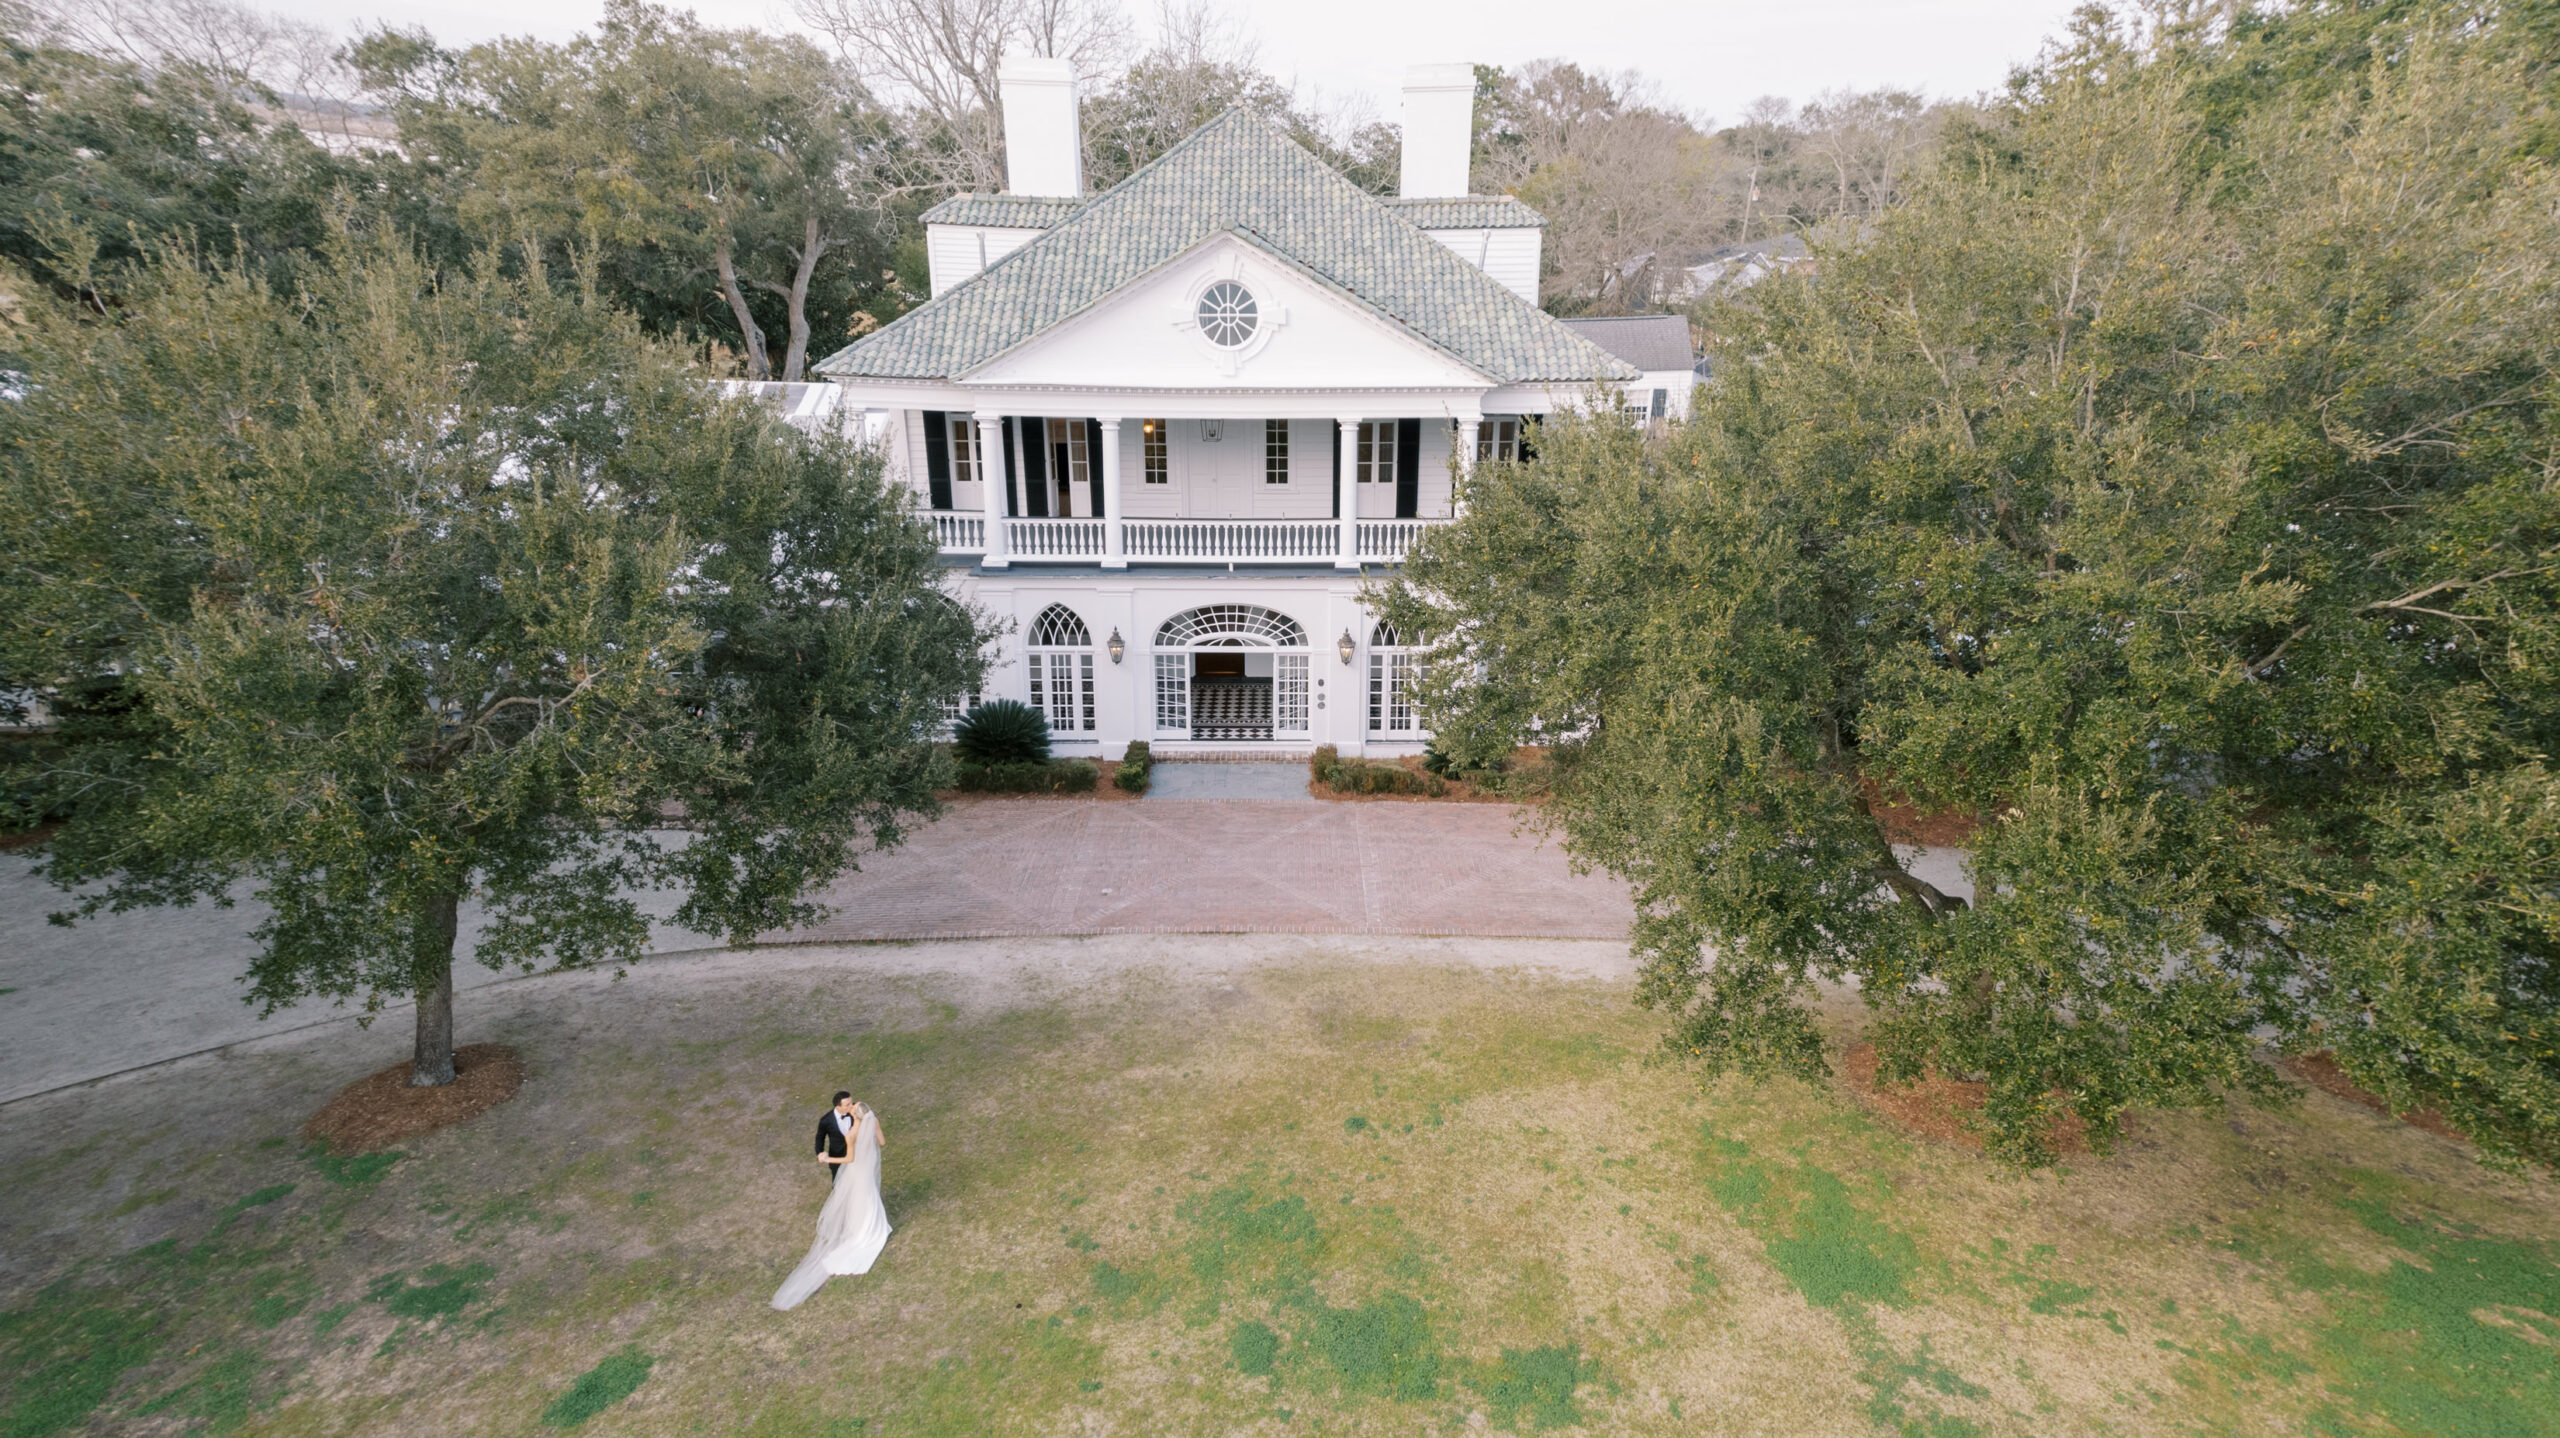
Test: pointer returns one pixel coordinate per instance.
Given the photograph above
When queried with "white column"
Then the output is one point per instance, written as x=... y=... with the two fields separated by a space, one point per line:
x=995 y=481
x=1468 y=431
x=1348 y=555
x=1115 y=554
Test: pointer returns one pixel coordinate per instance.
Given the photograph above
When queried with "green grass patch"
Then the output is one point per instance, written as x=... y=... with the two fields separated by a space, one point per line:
x=353 y=1169
x=220 y=1395
x=2458 y=1333
x=438 y=1292
x=66 y=1352
x=617 y=1377
x=1832 y=1250
x=1532 y=1388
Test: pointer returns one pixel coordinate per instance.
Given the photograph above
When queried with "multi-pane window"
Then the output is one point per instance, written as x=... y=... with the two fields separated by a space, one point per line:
x=957 y=707
x=964 y=447
x=1173 y=693
x=1062 y=689
x=1152 y=447
x=1376 y=458
x=1275 y=451
x=1289 y=693
x=1061 y=663
x=1390 y=683
x=1498 y=438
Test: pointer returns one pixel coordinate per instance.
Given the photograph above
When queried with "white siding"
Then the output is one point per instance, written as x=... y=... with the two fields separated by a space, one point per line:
x=954 y=253
x=1509 y=255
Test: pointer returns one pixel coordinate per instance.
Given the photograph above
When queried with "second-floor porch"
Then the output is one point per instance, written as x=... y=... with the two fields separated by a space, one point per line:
x=1344 y=491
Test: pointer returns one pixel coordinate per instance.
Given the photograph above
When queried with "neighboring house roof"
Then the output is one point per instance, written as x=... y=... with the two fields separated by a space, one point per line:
x=799 y=404
x=1469 y=212
x=1011 y=212
x=1789 y=246
x=1649 y=342
x=1235 y=174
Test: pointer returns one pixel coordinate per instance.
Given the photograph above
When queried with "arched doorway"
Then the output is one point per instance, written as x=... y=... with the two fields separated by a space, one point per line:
x=1231 y=673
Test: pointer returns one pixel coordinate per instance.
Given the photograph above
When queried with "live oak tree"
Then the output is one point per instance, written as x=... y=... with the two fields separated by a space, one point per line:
x=727 y=181
x=2169 y=482
x=403 y=588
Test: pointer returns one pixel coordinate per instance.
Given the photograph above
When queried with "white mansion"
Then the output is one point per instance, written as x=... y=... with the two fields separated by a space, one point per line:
x=1167 y=429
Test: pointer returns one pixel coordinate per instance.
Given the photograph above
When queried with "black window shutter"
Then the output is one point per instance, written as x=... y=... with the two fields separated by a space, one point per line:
x=937 y=457
x=1035 y=466
x=1093 y=462
x=1337 y=469
x=1408 y=468
x=1530 y=424
x=1012 y=491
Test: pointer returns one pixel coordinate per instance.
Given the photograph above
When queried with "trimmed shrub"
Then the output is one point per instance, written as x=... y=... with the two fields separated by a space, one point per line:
x=1136 y=768
x=1046 y=776
x=1001 y=731
x=1361 y=776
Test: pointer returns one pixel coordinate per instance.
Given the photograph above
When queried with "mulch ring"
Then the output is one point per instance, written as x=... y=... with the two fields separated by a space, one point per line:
x=380 y=1109
x=1941 y=1109
x=2321 y=1071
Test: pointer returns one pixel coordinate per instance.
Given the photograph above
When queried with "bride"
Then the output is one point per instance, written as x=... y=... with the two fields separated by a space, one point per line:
x=853 y=1226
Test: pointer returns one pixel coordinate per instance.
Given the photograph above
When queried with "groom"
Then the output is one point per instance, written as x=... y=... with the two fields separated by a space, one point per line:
x=835 y=1133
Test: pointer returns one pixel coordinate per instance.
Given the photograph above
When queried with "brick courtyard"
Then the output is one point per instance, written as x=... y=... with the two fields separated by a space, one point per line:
x=1004 y=867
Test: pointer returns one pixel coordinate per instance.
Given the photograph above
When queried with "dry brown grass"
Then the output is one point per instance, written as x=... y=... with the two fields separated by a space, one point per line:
x=1059 y=1156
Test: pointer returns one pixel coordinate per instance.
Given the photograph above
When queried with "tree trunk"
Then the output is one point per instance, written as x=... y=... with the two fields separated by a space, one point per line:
x=812 y=249
x=758 y=367
x=431 y=1065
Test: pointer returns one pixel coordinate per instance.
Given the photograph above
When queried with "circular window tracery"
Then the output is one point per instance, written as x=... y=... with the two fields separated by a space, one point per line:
x=1228 y=315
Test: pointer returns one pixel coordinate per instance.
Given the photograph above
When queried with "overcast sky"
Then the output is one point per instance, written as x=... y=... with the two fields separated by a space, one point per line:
x=1709 y=56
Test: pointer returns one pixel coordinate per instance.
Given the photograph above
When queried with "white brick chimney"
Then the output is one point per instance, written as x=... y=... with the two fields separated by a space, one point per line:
x=1439 y=130
x=1043 y=150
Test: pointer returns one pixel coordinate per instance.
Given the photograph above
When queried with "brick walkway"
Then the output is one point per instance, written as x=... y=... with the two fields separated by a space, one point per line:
x=1004 y=867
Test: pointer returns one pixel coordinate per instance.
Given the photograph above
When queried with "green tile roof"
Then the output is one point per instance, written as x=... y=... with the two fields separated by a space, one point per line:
x=1015 y=212
x=1236 y=173
x=1469 y=212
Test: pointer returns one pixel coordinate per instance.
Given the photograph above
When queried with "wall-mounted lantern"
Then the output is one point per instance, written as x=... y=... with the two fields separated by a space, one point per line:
x=1344 y=646
x=1116 y=644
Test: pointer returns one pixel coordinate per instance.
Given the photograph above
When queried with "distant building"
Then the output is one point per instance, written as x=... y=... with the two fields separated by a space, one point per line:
x=1740 y=266
x=1658 y=347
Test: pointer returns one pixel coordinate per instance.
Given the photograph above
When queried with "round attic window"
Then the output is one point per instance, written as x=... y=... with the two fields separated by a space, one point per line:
x=1227 y=315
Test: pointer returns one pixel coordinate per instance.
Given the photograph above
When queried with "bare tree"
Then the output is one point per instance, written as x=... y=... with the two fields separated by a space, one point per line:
x=941 y=57
x=1628 y=184
x=1870 y=139
x=288 y=68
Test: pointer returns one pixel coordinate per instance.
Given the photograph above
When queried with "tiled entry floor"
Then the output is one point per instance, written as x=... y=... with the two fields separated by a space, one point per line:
x=1229 y=781
x=998 y=867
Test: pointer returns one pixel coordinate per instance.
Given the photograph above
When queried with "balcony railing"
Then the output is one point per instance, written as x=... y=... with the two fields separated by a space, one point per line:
x=1055 y=538
x=1159 y=541
x=1257 y=540
x=1388 y=539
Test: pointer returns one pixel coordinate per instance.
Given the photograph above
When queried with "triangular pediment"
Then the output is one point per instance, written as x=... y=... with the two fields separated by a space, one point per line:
x=1269 y=325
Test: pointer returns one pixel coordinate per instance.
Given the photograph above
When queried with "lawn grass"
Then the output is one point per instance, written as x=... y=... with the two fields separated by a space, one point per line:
x=1319 y=1199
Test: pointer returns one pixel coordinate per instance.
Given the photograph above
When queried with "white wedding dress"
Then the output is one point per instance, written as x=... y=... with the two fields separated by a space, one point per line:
x=851 y=1228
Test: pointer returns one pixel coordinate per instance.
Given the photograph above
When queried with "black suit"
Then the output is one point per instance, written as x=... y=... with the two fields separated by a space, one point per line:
x=831 y=1141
